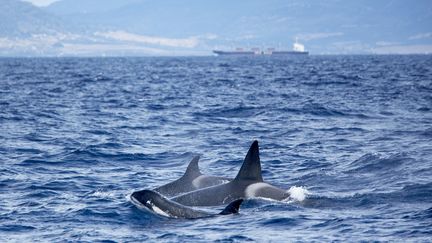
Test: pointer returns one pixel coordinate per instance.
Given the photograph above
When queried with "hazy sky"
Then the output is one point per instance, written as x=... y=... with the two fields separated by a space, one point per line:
x=41 y=2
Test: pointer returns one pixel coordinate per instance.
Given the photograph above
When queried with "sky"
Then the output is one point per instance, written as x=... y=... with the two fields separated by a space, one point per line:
x=41 y=3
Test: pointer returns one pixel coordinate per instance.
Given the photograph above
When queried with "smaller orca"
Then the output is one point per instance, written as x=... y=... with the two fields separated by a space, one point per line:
x=192 y=180
x=161 y=205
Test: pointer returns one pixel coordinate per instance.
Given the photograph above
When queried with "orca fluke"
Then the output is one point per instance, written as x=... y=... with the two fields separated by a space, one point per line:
x=163 y=206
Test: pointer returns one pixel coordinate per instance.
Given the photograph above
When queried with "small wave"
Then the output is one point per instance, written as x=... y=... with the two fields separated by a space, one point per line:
x=236 y=112
x=282 y=222
x=235 y=238
x=408 y=194
x=43 y=194
x=374 y=162
x=320 y=110
x=104 y=214
x=339 y=129
x=329 y=223
x=155 y=107
x=98 y=132
x=423 y=214
x=416 y=192
x=427 y=133
x=323 y=111
x=28 y=150
x=425 y=109
x=38 y=161
x=108 y=241
x=97 y=153
x=16 y=228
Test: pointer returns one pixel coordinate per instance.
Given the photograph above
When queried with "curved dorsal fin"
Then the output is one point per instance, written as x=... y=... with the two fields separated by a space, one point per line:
x=232 y=208
x=251 y=168
x=193 y=168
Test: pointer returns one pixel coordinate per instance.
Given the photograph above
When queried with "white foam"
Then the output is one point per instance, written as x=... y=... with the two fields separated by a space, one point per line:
x=103 y=194
x=298 y=193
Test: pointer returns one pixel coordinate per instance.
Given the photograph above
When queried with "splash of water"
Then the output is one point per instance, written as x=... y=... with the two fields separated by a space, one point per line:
x=298 y=193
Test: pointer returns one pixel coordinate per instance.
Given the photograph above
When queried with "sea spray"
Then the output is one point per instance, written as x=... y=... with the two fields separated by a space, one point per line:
x=298 y=193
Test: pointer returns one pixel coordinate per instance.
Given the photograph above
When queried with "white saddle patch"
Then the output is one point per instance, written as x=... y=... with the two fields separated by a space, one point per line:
x=197 y=181
x=251 y=190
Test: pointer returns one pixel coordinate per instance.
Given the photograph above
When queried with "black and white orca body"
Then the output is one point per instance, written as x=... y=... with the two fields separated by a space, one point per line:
x=158 y=204
x=247 y=184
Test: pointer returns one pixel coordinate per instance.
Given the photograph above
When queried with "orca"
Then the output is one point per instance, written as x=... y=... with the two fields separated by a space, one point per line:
x=158 y=204
x=192 y=180
x=247 y=184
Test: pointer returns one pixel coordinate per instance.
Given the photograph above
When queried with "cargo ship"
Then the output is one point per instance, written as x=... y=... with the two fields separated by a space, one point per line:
x=298 y=49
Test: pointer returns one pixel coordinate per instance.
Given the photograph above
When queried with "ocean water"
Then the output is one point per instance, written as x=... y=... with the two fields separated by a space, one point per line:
x=350 y=134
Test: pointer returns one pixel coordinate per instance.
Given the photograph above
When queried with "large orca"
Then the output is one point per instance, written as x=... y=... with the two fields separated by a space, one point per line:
x=247 y=184
x=192 y=180
x=161 y=205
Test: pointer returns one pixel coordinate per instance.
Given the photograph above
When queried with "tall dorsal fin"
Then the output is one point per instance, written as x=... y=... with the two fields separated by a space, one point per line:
x=193 y=168
x=251 y=168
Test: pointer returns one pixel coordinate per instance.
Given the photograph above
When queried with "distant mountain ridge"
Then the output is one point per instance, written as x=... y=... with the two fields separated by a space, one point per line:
x=22 y=19
x=165 y=27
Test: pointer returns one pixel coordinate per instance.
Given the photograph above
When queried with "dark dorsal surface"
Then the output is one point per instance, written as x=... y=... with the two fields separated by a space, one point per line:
x=251 y=168
x=193 y=170
x=232 y=208
x=184 y=183
x=192 y=180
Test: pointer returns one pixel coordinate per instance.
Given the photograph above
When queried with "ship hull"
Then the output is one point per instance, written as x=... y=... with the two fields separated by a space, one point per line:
x=234 y=53
x=282 y=53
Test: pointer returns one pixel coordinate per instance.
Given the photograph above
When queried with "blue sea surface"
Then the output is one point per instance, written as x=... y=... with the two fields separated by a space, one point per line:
x=79 y=135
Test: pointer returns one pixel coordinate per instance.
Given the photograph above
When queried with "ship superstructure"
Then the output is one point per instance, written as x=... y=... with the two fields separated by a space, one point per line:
x=298 y=49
